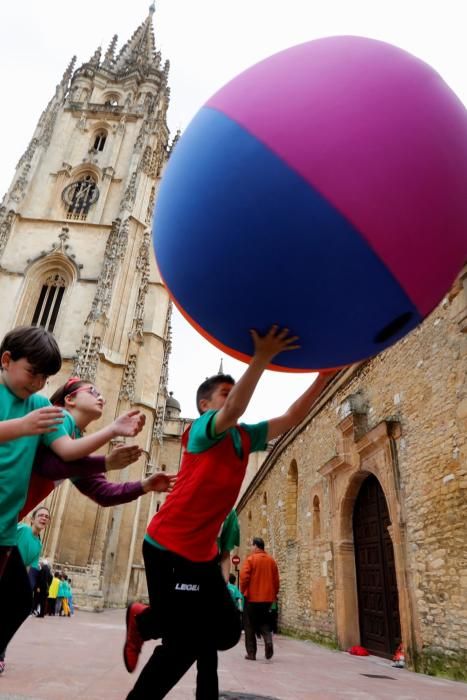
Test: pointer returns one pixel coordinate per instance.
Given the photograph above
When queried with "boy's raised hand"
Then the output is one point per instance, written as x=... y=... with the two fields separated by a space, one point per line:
x=42 y=420
x=275 y=341
x=129 y=424
x=121 y=456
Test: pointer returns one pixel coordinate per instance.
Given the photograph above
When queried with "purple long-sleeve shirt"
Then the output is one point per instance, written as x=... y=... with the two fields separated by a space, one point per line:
x=87 y=475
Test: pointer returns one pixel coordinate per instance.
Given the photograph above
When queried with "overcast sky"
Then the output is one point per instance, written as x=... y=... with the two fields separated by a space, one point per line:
x=207 y=42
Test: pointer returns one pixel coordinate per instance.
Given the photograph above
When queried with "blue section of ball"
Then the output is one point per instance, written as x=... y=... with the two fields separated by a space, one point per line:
x=244 y=247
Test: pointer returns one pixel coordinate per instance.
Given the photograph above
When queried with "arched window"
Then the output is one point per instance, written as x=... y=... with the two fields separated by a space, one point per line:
x=79 y=196
x=99 y=140
x=111 y=100
x=48 y=305
x=291 y=501
x=316 y=518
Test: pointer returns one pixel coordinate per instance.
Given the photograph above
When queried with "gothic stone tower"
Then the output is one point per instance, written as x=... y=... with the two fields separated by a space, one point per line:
x=75 y=257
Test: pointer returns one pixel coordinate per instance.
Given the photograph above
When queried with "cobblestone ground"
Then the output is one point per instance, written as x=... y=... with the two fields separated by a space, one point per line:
x=80 y=658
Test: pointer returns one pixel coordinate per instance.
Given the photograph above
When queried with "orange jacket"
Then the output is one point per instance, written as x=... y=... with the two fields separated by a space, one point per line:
x=259 y=578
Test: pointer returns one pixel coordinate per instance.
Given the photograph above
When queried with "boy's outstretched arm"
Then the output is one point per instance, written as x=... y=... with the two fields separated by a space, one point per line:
x=266 y=347
x=42 y=420
x=299 y=409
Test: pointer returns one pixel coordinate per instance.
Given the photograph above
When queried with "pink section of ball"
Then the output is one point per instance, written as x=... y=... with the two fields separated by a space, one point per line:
x=381 y=136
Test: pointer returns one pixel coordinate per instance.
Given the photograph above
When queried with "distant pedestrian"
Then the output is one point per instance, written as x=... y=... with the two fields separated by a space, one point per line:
x=61 y=595
x=259 y=583
x=70 y=597
x=43 y=582
x=53 y=590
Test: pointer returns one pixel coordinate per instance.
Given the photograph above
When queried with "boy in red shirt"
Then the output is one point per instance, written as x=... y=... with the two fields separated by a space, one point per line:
x=191 y=607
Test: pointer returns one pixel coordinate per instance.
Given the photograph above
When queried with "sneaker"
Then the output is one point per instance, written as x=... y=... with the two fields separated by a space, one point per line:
x=2 y=667
x=269 y=650
x=250 y=657
x=133 y=641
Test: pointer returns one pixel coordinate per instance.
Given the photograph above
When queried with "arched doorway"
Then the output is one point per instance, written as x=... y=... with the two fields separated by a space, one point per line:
x=378 y=599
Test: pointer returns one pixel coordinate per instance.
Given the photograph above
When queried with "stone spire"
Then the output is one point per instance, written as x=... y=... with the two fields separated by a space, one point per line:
x=110 y=53
x=68 y=72
x=139 y=53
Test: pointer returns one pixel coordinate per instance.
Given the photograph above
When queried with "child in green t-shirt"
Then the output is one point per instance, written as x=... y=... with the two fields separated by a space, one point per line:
x=28 y=356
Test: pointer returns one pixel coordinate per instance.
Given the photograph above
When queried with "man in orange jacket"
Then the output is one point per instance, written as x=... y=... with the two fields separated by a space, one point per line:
x=259 y=583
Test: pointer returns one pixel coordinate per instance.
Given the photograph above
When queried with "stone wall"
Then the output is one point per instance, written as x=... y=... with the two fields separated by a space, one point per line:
x=403 y=417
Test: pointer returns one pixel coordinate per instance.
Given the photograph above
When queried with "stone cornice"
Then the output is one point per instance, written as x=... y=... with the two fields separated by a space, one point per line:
x=335 y=383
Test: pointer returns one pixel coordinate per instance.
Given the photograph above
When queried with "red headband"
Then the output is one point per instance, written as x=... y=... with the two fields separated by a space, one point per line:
x=71 y=381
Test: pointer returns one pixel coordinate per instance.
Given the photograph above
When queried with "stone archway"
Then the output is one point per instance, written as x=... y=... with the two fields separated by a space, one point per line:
x=361 y=454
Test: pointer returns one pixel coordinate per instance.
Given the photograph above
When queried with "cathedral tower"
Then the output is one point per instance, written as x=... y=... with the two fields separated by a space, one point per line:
x=76 y=258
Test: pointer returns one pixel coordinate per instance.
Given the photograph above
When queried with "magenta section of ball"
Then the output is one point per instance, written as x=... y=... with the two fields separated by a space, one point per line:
x=381 y=136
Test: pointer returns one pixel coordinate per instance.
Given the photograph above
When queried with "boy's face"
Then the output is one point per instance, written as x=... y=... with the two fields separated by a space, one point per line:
x=218 y=398
x=21 y=377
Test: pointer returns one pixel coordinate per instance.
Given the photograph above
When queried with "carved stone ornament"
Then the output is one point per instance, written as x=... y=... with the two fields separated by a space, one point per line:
x=6 y=222
x=114 y=253
x=158 y=429
x=127 y=390
x=87 y=358
x=130 y=193
x=142 y=265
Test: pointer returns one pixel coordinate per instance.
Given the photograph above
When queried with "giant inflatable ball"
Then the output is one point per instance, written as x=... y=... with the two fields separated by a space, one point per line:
x=325 y=190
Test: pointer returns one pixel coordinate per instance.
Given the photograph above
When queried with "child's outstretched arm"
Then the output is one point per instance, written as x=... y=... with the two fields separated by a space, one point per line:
x=266 y=347
x=42 y=420
x=300 y=408
x=107 y=493
x=51 y=466
x=127 y=425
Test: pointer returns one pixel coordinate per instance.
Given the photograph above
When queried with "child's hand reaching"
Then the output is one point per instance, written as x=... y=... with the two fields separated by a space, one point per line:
x=275 y=341
x=159 y=482
x=122 y=456
x=129 y=424
x=42 y=420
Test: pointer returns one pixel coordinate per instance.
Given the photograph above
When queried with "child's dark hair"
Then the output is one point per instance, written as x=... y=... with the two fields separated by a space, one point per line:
x=232 y=579
x=206 y=389
x=36 y=345
x=70 y=386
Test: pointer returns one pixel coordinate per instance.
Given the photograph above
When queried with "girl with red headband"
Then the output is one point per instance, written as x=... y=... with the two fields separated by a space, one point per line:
x=83 y=403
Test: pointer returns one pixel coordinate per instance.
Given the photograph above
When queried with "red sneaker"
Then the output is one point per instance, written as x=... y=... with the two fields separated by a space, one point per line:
x=133 y=641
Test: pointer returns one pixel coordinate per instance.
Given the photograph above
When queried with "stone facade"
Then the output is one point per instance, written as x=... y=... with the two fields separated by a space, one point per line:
x=76 y=257
x=401 y=417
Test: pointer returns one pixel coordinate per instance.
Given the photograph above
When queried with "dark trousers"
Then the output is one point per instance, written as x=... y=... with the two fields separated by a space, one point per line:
x=15 y=594
x=256 y=619
x=192 y=610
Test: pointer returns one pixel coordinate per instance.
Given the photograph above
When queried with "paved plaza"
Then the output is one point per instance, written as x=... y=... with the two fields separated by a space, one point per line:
x=80 y=658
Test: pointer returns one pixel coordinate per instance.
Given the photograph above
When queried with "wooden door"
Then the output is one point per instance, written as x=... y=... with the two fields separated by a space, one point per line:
x=378 y=599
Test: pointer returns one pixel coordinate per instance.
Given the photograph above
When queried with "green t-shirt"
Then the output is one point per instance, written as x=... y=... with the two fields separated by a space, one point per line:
x=69 y=425
x=202 y=435
x=29 y=546
x=230 y=533
x=16 y=459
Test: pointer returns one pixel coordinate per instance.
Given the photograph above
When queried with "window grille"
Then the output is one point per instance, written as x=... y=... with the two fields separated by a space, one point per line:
x=48 y=305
